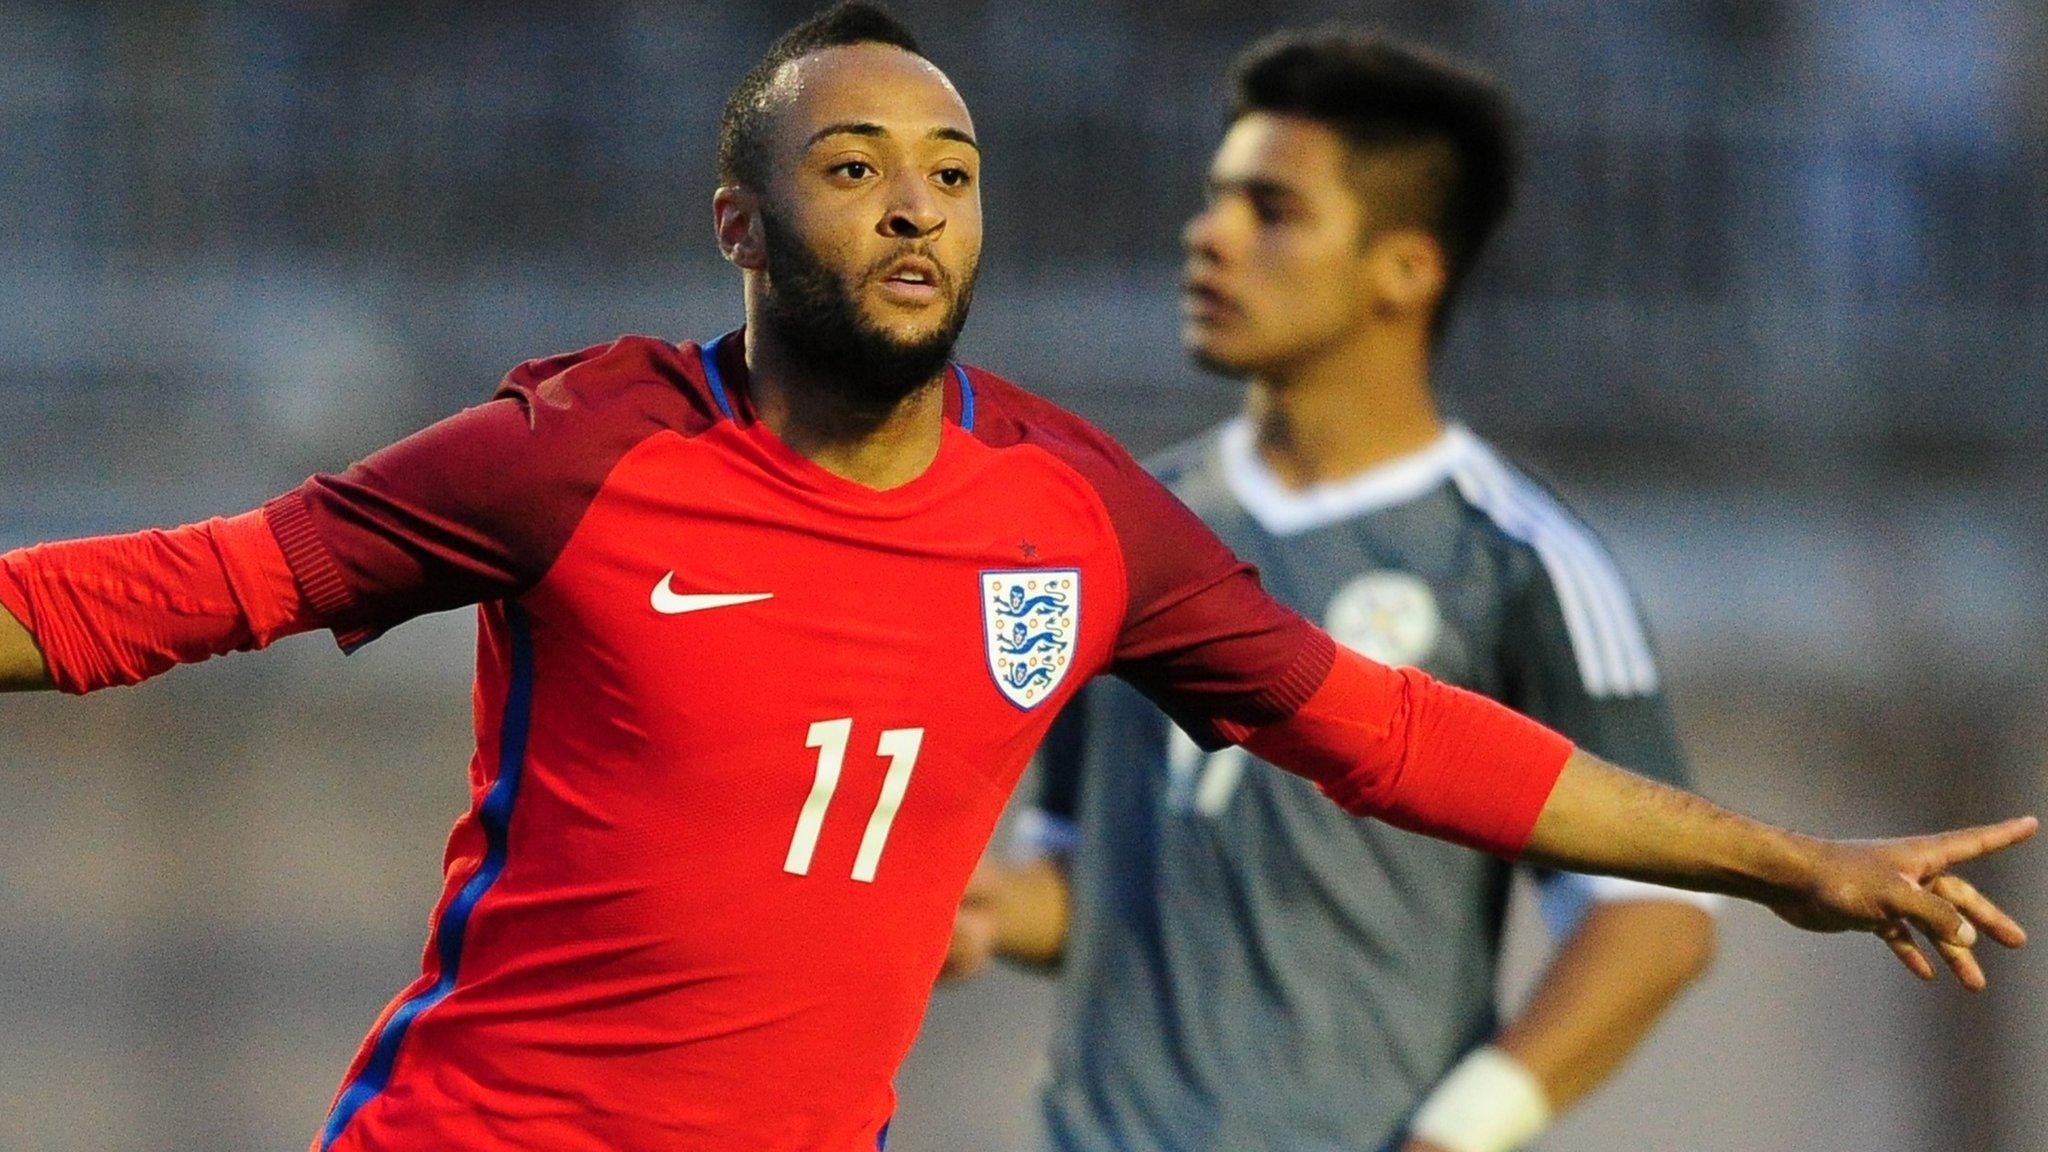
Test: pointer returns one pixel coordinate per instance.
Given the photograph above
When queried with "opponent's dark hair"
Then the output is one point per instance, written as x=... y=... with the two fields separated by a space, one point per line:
x=1386 y=98
x=740 y=146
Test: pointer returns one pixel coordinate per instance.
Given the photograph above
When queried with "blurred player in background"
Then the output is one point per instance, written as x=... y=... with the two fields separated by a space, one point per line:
x=1246 y=967
x=769 y=627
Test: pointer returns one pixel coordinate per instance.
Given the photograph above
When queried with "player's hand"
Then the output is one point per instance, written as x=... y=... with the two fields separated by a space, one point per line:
x=974 y=927
x=1891 y=887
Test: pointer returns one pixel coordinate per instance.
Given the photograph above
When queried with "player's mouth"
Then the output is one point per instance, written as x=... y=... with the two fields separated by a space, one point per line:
x=1202 y=302
x=912 y=280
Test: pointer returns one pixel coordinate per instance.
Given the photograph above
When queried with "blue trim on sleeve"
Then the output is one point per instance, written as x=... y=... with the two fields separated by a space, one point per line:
x=709 y=354
x=882 y=1137
x=966 y=399
x=495 y=814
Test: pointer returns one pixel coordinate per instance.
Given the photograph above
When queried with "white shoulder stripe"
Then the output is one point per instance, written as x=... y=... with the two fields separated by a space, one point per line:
x=1593 y=642
x=1608 y=608
x=1583 y=571
x=1608 y=639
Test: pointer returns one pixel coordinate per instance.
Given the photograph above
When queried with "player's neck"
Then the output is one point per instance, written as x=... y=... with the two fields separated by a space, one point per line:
x=1344 y=413
x=878 y=448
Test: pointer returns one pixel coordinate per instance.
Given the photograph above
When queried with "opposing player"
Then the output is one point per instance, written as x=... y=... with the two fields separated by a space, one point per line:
x=1247 y=967
x=743 y=721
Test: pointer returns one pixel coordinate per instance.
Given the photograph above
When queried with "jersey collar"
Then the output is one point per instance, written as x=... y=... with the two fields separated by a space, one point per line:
x=1284 y=511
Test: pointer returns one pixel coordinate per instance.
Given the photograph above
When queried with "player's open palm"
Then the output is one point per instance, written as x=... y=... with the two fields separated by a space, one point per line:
x=1890 y=887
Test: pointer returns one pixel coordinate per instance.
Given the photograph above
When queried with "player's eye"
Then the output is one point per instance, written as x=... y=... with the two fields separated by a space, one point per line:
x=954 y=177
x=1267 y=210
x=853 y=169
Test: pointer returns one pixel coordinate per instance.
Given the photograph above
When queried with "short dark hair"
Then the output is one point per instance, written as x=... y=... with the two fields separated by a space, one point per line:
x=740 y=148
x=1384 y=97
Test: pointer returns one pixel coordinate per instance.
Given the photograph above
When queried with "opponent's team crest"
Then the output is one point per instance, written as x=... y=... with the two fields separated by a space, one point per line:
x=1386 y=616
x=1031 y=625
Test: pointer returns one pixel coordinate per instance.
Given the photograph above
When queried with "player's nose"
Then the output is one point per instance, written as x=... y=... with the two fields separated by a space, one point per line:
x=1201 y=236
x=914 y=212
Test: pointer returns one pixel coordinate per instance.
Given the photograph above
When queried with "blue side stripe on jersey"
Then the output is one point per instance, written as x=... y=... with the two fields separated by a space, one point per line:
x=709 y=354
x=966 y=399
x=882 y=1137
x=496 y=817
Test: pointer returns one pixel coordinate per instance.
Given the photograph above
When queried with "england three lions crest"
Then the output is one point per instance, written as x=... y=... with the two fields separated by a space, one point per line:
x=1031 y=626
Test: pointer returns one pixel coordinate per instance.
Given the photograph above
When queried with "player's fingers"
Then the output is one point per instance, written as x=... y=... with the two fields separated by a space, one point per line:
x=1934 y=916
x=1899 y=939
x=1946 y=849
x=1963 y=963
x=1979 y=908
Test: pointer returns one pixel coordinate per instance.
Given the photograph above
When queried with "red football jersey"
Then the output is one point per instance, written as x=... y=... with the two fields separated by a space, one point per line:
x=743 y=730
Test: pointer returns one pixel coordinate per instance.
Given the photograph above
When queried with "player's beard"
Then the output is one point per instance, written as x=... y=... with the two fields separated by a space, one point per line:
x=818 y=321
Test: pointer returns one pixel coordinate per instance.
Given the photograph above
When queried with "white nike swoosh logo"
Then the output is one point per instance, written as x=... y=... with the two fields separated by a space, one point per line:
x=669 y=602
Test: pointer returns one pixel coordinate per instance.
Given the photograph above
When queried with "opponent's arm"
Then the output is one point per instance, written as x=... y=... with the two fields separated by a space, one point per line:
x=1608 y=984
x=21 y=662
x=1605 y=988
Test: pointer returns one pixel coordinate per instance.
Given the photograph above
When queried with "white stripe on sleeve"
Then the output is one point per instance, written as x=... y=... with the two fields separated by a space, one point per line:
x=1609 y=642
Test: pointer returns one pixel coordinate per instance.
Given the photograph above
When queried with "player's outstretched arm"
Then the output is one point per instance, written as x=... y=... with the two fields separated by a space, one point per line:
x=82 y=615
x=21 y=662
x=1599 y=818
x=1394 y=744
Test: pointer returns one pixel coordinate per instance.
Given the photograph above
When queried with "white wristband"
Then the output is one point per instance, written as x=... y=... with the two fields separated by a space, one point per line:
x=1489 y=1103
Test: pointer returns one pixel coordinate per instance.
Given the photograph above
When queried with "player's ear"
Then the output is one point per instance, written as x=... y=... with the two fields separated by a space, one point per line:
x=736 y=220
x=1408 y=269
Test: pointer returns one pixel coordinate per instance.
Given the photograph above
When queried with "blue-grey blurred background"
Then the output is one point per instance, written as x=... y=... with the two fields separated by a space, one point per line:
x=1773 y=310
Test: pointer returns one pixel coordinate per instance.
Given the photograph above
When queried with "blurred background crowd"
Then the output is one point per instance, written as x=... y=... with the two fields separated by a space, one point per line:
x=1773 y=310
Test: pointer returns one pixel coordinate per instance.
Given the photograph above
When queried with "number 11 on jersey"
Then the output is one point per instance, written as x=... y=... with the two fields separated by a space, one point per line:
x=830 y=738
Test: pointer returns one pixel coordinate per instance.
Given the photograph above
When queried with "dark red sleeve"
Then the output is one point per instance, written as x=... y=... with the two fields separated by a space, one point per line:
x=1202 y=637
x=115 y=610
x=430 y=523
x=1398 y=745
x=477 y=507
